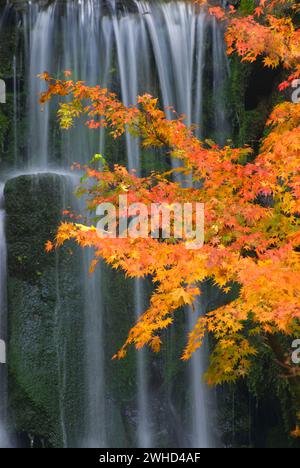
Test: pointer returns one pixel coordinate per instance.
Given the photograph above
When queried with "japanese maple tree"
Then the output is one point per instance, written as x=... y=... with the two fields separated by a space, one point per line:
x=252 y=205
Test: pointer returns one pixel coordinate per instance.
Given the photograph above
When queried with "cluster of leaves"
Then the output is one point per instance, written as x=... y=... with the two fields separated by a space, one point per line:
x=252 y=205
x=269 y=32
x=251 y=214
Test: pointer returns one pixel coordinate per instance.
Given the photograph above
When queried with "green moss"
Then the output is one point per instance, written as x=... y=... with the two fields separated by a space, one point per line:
x=45 y=345
x=249 y=121
x=259 y=411
x=247 y=7
x=119 y=318
x=32 y=220
x=252 y=127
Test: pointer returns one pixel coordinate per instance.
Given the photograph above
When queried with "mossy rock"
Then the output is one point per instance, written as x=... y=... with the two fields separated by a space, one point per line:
x=45 y=314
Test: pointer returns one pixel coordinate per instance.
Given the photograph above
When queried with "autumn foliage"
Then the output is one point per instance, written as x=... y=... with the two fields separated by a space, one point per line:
x=252 y=205
x=269 y=32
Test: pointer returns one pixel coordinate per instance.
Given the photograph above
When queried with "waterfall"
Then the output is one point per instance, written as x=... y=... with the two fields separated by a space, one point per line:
x=200 y=427
x=40 y=60
x=144 y=435
x=127 y=42
x=4 y=441
x=172 y=50
x=95 y=401
x=220 y=70
x=130 y=35
x=62 y=311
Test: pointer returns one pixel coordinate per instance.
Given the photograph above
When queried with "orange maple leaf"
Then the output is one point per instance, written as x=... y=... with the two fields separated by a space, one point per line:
x=49 y=246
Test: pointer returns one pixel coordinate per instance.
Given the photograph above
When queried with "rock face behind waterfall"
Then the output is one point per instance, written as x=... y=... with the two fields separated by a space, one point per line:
x=64 y=389
x=44 y=308
x=46 y=314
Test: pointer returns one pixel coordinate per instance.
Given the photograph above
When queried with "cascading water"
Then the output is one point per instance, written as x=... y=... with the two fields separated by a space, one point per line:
x=170 y=49
x=4 y=442
x=63 y=310
x=201 y=430
x=130 y=34
x=220 y=69
x=144 y=435
x=40 y=60
x=96 y=412
x=4 y=436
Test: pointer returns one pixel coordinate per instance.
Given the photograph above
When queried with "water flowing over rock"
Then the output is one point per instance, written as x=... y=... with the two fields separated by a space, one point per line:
x=65 y=325
x=4 y=439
